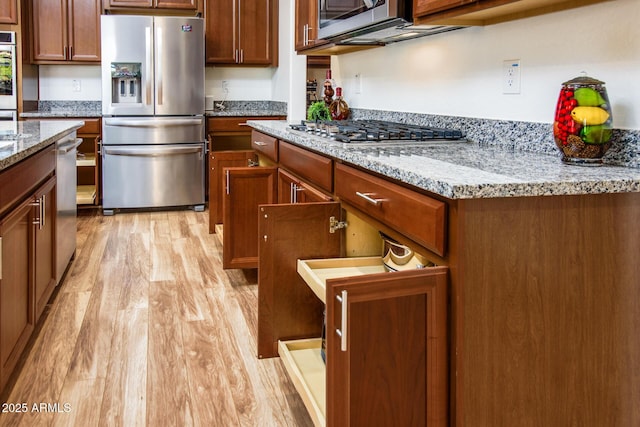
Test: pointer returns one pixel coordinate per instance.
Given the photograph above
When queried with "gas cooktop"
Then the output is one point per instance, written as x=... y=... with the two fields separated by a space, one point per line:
x=377 y=131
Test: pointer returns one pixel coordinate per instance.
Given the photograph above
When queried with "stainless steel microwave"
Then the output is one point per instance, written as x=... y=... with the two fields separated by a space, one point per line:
x=343 y=16
x=370 y=21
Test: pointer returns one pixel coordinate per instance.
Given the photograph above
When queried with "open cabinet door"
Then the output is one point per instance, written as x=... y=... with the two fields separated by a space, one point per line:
x=387 y=349
x=287 y=307
x=245 y=190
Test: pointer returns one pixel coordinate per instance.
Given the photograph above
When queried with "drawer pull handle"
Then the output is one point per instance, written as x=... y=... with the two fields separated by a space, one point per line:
x=260 y=143
x=368 y=198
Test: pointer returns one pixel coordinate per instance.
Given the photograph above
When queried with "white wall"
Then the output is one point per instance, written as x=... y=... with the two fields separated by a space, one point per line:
x=460 y=73
x=457 y=73
x=56 y=82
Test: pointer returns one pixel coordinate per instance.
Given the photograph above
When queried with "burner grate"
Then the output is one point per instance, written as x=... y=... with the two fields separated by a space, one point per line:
x=360 y=131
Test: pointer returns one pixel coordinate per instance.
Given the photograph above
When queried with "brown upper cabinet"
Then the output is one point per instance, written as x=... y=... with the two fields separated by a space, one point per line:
x=423 y=7
x=242 y=32
x=8 y=12
x=486 y=12
x=153 y=4
x=65 y=30
x=306 y=26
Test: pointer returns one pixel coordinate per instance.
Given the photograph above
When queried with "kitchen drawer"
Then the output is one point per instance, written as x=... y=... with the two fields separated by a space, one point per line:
x=419 y=217
x=20 y=179
x=310 y=166
x=90 y=126
x=265 y=144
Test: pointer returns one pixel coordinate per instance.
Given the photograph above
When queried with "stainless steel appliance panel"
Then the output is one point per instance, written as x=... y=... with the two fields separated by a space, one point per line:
x=152 y=130
x=66 y=208
x=153 y=175
x=179 y=65
x=344 y=16
x=127 y=39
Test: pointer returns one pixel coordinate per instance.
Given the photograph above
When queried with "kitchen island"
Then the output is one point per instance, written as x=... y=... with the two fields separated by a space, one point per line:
x=31 y=259
x=20 y=140
x=543 y=280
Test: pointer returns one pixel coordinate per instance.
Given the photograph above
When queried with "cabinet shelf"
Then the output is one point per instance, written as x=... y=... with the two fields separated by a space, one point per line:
x=316 y=272
x=219 y=232
x=89 y=159
x=303 y=363
x=85 y=194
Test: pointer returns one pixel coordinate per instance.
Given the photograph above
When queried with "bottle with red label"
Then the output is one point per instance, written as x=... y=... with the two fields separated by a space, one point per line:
x=338 y=108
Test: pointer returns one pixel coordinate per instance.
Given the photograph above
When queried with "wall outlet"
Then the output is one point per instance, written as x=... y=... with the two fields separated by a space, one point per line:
x=511 y=76
x=225 y=85
x=76 y=85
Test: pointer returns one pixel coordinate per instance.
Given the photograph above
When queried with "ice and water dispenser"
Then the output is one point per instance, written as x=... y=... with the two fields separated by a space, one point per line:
x=126 y=81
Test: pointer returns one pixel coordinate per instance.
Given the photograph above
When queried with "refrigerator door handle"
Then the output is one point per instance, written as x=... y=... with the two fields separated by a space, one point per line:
x=149 y=65
x=159 y=60
x=152 y=151
x=152 y=123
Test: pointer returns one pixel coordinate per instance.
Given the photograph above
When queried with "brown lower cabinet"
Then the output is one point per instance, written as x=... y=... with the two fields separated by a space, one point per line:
x=374 y=312
x=44 y=223
x=531 y=297
x=245 y=189
x=17 y=317
x=230 y=145
x=27 y=257
x=386 y=333
x=218 y=161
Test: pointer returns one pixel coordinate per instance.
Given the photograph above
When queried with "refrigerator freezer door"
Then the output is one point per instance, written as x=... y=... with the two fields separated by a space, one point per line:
x=127 y=41
x=179 y=65
x=153 y=176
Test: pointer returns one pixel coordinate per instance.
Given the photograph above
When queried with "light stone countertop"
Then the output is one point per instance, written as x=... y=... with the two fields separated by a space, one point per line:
x=78 y=113
x=31 y=137
x=466 y=170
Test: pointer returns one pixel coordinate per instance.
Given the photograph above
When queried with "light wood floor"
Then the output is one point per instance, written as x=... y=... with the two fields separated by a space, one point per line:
x=147 y=329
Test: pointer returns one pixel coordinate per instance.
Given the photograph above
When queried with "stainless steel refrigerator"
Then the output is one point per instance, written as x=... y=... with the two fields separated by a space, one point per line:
x=153 y=127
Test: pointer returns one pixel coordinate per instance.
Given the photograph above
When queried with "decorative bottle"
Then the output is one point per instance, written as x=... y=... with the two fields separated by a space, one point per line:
x=338 y=108
x=328 y=89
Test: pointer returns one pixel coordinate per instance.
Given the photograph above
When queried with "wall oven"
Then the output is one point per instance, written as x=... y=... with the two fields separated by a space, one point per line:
x=8 y=94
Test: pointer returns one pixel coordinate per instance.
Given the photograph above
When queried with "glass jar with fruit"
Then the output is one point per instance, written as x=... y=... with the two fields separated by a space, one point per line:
x=583 y=122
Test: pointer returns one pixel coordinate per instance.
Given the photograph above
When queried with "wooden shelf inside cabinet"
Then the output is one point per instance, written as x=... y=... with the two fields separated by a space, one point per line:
x=316 y=272
x=219 y=230
x=85 y=194
x=87 y=159
x=303 y=363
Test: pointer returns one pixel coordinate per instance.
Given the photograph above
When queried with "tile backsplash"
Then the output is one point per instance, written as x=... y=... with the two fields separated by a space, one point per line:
x=512 y=135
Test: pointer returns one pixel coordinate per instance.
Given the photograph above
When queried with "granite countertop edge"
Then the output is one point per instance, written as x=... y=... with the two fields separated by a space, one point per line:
x=245 y=112
x=60 y=114
x=469 y=171
x=34 y=140
x=98 y=114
